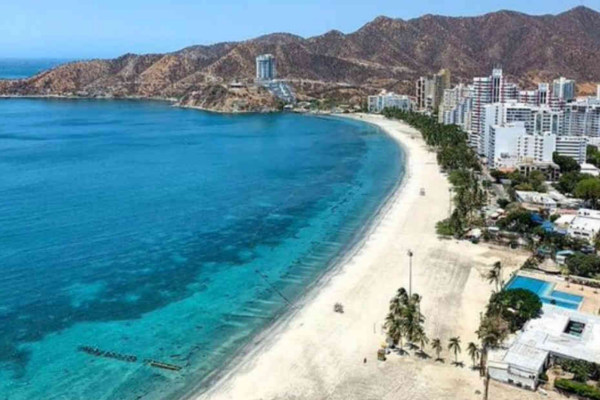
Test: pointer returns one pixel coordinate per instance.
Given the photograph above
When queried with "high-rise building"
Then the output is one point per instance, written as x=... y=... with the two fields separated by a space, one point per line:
x=564 y=89
x=536 y=148
x=582 y=118
x=430 y=90
x=503 y=139
x=598 y=93
x=265 y=68
x=572 y=146
x=486 y=90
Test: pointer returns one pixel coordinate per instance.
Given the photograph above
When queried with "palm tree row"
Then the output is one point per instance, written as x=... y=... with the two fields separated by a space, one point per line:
x=455 y=156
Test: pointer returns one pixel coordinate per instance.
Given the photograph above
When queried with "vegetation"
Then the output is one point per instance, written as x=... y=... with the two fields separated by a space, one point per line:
x=518 y=220
x=578 y=388
x=586 y=265
x=566 y=164
x=582 y=370
x=494 y=275
x=593 y=156
x=515 y=306
x=492 y=331
x=436 y=345
x=588 y=189
x=404 y=319
x=474 y=353
x=454 y=347
x=455 y=156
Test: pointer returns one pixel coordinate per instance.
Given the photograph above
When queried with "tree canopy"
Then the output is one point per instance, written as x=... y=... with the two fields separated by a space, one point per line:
x=515 y=306
x=586 y=265
x=566 y=164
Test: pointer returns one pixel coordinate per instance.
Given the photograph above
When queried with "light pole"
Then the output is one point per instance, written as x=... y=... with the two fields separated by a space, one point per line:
x=450 y=201
x=410 y=255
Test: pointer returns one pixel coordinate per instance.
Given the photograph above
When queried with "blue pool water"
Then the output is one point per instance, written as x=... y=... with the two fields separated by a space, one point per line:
x=165 y=233
x=544 y=290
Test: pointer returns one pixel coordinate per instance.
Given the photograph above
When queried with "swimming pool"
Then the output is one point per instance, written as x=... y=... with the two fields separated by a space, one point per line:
x=545 y=291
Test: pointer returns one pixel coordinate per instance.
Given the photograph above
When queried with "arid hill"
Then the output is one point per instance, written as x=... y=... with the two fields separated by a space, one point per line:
x=385 y=53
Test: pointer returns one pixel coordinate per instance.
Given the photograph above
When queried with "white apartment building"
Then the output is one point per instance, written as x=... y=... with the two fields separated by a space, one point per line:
x=564 y=89
x=503 y=139
x=377 y=104
x=265 y=68
x=537 y=147
x=572 y=146
x=582 y=118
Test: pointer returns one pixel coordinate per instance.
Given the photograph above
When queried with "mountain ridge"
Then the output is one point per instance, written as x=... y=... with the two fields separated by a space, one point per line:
x=385 y=53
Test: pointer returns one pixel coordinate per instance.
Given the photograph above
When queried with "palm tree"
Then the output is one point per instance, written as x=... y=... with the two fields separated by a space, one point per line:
x=494 y=275
x=423 y=340
x=474 y=352
x=436 y=345
x=454 y=346
x=393 y=327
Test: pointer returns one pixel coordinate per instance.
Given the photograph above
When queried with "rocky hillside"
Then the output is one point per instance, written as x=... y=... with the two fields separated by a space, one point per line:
x=385 y=53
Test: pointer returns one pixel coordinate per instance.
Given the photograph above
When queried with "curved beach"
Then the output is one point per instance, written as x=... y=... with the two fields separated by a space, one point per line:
x=316 y=353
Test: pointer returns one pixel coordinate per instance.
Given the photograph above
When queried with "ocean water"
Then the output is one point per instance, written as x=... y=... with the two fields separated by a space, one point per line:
x=15 y=68
x=165 y=233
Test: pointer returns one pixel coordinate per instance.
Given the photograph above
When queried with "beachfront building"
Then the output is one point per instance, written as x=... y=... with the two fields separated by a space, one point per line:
x=564 y=89
x=559 y=333
x=265 y=68
x=378 y=103
x=430 y=90
x=585 y=225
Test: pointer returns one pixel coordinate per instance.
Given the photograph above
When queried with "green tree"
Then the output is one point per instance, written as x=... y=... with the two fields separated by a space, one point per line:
x=566 y=164
x=493 y=331
x=589 y=190
x=473 y=352
x=436 y=345
x=516 y=306
x=586 y=265
x=454 y=347
x=494 y=275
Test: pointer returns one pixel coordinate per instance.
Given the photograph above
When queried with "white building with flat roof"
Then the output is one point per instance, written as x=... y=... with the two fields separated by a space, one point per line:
x=585 y=225
x=537 y=148
x=559 y=333
x=378 y=103
x=502 y=142
x=572 y=146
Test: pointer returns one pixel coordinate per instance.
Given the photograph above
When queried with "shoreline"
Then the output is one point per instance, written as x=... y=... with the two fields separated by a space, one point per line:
x=259 y=342
x=263 y=341
x=314 y=353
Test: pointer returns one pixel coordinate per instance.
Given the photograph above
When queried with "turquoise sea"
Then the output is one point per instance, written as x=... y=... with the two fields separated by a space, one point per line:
x=167 y=234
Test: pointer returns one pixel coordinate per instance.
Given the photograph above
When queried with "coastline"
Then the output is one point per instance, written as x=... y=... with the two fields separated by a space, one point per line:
x=314 y=353
x=261 y=341
x=265 y=340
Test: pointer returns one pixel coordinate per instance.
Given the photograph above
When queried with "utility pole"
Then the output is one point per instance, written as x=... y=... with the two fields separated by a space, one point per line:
x=410 y=255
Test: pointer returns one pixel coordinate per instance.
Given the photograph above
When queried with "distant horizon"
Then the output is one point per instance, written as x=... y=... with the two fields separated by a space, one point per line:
x=154 y=27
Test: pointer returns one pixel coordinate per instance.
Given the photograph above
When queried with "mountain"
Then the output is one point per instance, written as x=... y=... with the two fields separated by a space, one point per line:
x=385 y=53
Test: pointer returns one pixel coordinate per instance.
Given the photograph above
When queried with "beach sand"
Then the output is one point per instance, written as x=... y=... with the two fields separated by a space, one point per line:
x=315 y=353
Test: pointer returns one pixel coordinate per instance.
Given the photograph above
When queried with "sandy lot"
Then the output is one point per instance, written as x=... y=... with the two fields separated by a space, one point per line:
x=318 y=354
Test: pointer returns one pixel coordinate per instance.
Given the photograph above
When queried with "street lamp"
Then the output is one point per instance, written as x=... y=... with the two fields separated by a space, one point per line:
x=410 y=255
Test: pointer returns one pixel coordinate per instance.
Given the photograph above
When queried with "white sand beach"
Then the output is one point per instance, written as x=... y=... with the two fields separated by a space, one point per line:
x=318 y=354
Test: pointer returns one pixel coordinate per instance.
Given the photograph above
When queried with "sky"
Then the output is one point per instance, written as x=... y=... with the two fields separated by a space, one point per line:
x=78 y=29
